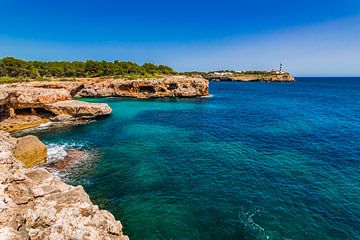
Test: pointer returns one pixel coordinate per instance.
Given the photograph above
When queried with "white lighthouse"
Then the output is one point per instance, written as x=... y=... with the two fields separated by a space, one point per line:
x=280 y=70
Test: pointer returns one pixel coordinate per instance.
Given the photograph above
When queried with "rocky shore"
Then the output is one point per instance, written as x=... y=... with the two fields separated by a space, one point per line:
x=35 y=204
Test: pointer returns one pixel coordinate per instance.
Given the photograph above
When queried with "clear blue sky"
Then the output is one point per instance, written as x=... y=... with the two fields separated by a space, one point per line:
x=309 y=37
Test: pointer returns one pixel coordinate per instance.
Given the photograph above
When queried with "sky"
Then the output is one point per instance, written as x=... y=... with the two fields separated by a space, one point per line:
x=310 y=37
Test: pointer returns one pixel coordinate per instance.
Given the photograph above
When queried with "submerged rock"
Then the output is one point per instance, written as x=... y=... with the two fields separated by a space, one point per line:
x=71 y=157
x=34 y=204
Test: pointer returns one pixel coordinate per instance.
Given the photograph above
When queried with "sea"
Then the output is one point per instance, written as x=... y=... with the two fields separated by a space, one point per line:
x=252 y=161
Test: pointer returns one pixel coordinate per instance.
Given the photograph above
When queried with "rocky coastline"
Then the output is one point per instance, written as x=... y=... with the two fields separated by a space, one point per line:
x=35 y=204
x=27 y=105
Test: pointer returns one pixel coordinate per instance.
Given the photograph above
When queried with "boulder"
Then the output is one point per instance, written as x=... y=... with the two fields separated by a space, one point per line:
x=30 y=151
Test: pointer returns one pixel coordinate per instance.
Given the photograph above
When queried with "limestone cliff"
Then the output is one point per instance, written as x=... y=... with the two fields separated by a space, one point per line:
x=147 y=88
x=36 y=205
x=25 y=105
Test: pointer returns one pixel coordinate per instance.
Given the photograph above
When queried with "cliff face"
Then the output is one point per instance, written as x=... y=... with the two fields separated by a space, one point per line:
x=27 y=99
x=24 y=106
x=36 y=205
x=147 y=88
x=285 y=77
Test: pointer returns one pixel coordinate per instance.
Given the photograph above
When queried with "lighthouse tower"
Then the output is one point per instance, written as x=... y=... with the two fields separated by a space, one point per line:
x=281 y=65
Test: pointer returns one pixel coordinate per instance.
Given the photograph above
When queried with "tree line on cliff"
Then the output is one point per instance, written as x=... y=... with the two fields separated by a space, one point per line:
x=12 y=67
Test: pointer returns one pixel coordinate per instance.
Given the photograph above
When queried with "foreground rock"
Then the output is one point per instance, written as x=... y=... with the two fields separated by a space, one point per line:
x=36 y=205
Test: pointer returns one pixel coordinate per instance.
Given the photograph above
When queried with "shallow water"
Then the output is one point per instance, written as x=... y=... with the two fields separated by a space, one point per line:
x=255 y=161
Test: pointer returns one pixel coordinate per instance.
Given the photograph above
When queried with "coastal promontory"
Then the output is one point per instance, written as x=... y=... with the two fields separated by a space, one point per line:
x=248 y=76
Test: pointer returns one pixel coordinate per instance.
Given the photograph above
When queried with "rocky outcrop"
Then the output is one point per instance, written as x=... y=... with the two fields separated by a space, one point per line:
x=70 y=109
x=270 y=77
x=30 y=151
x=36 y=205
x=147 y=88
x=31 y=104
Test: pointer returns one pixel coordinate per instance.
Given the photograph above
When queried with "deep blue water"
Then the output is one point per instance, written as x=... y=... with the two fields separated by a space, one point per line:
x=255 y=161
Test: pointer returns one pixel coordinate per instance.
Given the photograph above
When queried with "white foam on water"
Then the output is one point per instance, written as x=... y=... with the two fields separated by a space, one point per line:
x=45 y=125
x=247 y=219
x=56 y=152
x=208 y=96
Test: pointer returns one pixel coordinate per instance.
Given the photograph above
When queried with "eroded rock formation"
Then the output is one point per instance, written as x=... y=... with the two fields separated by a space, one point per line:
x=36 y=205
x=27 y=105
x=78 y=109
x=147 y=88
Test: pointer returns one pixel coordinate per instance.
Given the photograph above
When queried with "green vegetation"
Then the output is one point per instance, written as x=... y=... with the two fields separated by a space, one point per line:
x=15 y=70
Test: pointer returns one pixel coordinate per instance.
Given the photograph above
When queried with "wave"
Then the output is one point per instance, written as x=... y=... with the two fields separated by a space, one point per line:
x=208 y=96
x=246 y=218
x=56 y=152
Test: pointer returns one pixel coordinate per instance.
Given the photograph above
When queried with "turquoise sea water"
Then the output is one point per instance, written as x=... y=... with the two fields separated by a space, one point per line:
x=254 y=161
